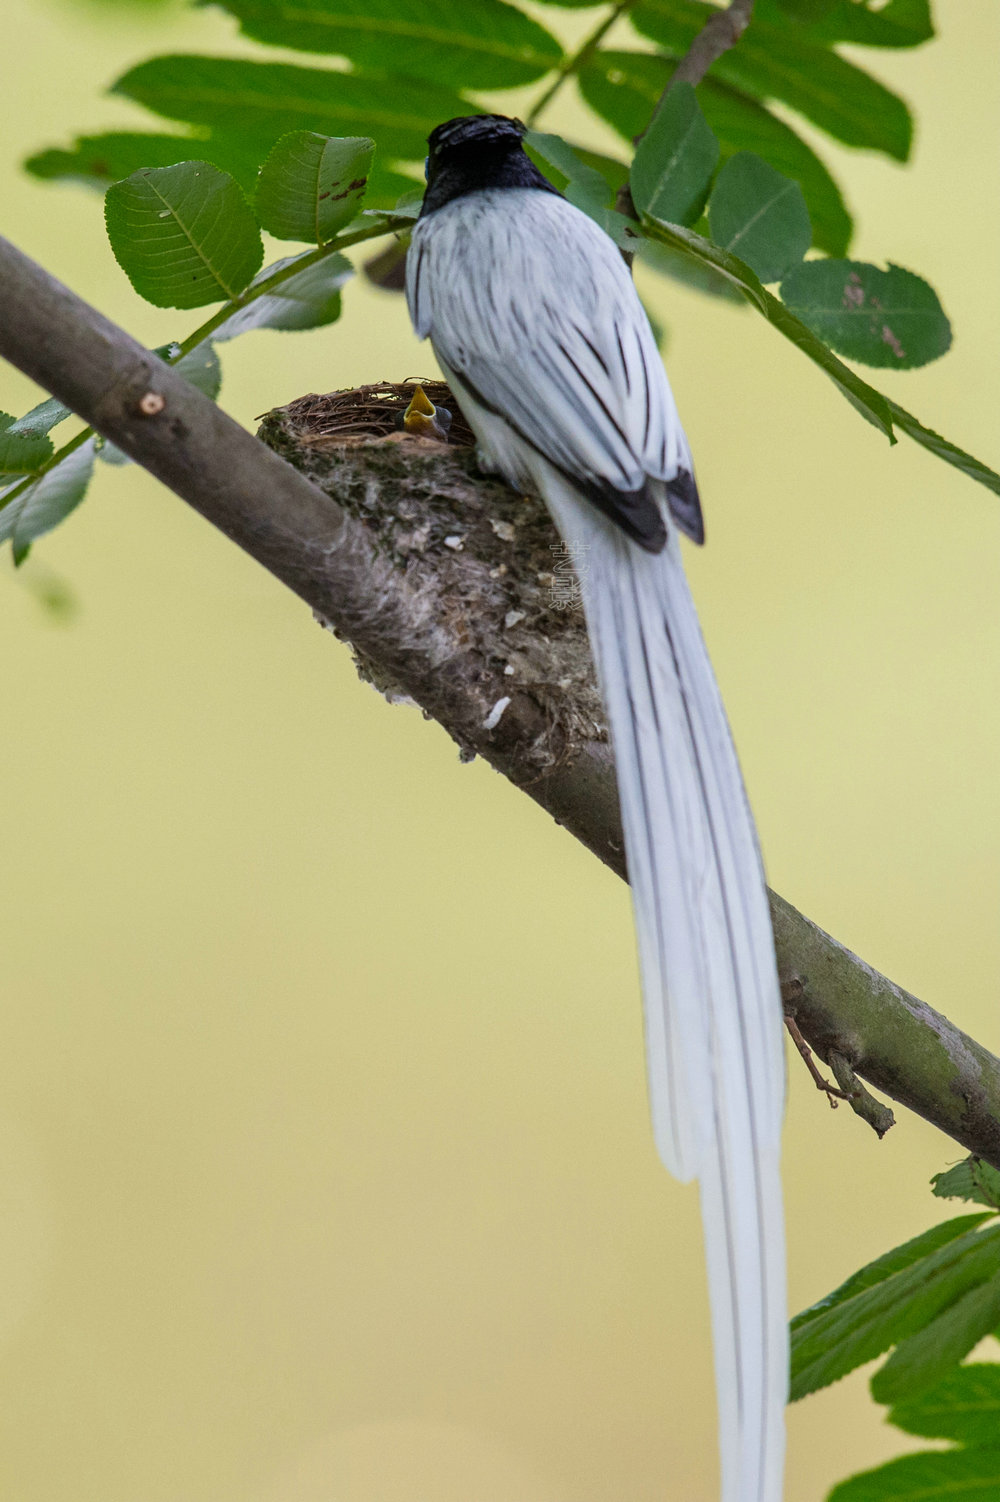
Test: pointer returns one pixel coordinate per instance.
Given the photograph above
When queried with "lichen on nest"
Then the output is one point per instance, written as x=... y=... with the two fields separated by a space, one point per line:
x=485 y=563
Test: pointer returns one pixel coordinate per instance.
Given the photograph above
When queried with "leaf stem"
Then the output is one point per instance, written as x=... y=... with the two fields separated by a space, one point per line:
x=207 y=329
x=285 y=274
x=572 y=65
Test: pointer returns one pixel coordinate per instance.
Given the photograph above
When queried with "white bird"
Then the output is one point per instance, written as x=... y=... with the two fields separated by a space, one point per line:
x=539 y=331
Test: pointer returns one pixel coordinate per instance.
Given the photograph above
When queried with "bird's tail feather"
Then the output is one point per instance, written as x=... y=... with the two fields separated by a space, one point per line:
x=712 y=1006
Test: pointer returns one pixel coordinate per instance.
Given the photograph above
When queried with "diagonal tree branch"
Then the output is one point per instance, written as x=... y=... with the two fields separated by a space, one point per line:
x=442 y=582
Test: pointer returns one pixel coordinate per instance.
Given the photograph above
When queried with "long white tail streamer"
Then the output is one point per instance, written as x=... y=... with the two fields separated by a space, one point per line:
x=710 y=987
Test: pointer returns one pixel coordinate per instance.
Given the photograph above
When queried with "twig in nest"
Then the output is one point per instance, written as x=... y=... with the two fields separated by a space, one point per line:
x=374 y=411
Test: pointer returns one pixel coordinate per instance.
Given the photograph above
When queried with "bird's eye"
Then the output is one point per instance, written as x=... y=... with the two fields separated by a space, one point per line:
x=427 y=169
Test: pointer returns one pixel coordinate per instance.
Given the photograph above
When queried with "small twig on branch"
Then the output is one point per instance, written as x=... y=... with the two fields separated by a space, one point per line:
x=365 y=534
x=879 y=1117
x=720 y=32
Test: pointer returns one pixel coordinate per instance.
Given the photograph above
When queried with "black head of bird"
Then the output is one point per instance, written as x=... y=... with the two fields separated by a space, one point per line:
x=465 y=153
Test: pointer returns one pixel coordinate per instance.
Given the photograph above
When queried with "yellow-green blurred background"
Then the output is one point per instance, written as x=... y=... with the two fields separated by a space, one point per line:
x=325 y=1170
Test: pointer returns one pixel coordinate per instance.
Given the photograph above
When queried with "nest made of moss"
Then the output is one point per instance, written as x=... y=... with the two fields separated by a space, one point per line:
x=373 y=411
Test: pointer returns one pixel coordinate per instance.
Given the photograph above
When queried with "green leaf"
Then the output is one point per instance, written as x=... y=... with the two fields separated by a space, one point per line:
x=779 y=62
x=944 y=448
x=312 y=185
x=690 y=271
x=885 y=318
x=488 y=45
x=262 y=101
x=924 y=1357
x=857 y=1329
x=972 y=1179
x=900 y=23
x=585 y=187
x=22 y=451
x=623 y=87
x=677 y=237
x=968 y=1475
x=571 y=170
x=964 y=1406
x=305 y=301
x=98 y=161
x=675 y=160
x=201 y=367
x=43 y=418
x=760 y=215
x=184 y=235
x=864 y=398
x=47 y=501
x=614 y=172
x=903 y=1256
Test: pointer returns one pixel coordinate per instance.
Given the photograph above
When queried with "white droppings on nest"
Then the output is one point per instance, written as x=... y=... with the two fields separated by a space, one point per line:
x=495 y=715
x=509 y=670
x=504 y=530
x=512 y=617
x=415 y=541
x=456 y=542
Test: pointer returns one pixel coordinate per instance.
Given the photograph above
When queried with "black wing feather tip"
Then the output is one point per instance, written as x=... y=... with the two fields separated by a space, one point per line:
x=635 y=511
x=685 y=505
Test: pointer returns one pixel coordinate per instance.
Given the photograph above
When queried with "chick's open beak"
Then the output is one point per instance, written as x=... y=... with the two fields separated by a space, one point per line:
x=424 y=419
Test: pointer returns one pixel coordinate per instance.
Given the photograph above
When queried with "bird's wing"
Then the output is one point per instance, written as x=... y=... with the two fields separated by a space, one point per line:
x=572 y=367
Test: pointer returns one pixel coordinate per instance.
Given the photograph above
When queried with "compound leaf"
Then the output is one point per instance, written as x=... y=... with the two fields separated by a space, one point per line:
x=488 y=45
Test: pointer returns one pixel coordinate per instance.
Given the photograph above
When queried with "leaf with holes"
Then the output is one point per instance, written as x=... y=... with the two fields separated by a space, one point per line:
x=891 y=319
x=312 y=185
x=43 y=503
x=488 y=45
x=759 y=215
x=184 y=235
x=675 y=160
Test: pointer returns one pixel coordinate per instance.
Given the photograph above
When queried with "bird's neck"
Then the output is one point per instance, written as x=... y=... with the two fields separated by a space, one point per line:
x=462 y=172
